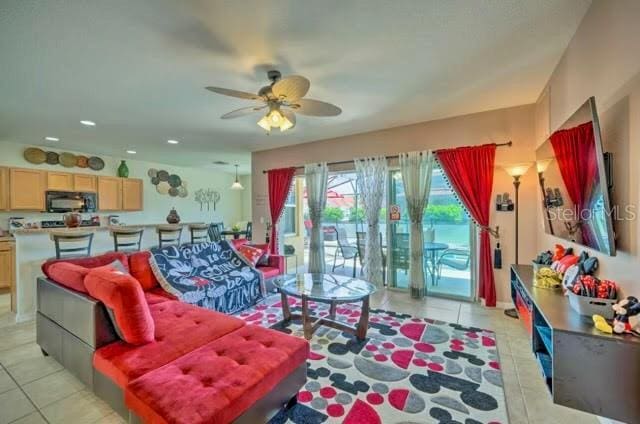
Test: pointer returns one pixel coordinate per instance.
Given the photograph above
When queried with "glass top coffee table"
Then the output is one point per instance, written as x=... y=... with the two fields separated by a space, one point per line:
x=326 y=288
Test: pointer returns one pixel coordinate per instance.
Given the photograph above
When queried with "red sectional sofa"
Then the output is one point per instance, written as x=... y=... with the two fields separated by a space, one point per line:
x=201 y=367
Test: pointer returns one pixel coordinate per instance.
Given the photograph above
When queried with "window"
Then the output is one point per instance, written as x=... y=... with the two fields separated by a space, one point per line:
x=289 y=214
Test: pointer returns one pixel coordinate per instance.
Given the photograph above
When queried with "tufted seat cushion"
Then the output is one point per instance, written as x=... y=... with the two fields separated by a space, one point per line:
x=158 y=295
x=179 y=329
x=219 y=381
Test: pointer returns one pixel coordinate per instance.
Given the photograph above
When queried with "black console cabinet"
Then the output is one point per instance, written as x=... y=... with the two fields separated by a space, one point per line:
x=583 y=368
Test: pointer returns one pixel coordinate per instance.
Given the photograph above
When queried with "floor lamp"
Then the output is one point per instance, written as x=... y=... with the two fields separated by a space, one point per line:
x=516 y=171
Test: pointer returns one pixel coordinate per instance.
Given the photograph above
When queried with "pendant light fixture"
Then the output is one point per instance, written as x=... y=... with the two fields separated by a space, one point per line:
x=236 y=185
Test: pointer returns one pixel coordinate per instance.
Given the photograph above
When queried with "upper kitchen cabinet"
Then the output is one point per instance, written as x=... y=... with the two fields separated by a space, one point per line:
x=59 y=181
x=109 y=193
x=131 y=194
x=4 y=188
x=26 y=189
x=86 y=183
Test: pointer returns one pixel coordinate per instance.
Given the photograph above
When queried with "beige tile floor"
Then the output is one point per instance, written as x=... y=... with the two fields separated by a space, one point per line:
x=36 y=389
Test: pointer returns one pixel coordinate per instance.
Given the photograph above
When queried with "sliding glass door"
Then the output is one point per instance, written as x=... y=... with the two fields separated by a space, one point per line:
x=449 y=244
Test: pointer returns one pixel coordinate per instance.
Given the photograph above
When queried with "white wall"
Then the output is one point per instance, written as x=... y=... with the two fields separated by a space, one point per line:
x=156 y=206
x=602 y=60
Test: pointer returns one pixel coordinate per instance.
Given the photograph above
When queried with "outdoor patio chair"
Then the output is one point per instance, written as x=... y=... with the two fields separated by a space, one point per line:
x=346 y=250
x=401 y=254
x=458 y=259
x=361 y=237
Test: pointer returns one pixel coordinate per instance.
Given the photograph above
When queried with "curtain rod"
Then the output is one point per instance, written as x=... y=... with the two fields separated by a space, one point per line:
x=343 y=162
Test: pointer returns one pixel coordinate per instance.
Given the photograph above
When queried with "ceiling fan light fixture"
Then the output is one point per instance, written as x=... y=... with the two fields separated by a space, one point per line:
x=264 y=123
x=286 y=124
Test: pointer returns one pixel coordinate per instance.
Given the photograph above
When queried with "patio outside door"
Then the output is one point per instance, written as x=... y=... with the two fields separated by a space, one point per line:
x=449 y=243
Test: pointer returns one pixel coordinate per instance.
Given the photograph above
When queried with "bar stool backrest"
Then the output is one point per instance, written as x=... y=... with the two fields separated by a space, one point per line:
x=199 y=233
x=169 y=234
x=72 y=244
x=127 y=238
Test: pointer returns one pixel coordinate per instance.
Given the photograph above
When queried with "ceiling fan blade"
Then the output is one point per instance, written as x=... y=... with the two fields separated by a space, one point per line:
x=315 y=108
x=234 y=93
x=242 y=112
x=291 y=88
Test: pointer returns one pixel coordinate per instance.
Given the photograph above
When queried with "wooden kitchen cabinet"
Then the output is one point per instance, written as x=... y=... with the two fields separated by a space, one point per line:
x=4 y=188
x=59 y=181
x=26 y=189
x=7 y=264
x=86 y=183
x=131 y=194
x=109 y=193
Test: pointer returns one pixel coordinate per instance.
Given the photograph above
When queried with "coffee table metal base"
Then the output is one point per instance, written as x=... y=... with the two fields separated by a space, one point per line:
x=311 y=323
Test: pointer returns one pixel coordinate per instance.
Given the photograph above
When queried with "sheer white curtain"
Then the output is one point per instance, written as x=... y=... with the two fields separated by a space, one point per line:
x=416 y=168
x=372 y=177
x=316 y=179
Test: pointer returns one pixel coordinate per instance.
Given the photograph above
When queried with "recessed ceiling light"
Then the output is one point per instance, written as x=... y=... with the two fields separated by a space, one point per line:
x=173 y=141
x=52 y=138
x=88 y=123
x=131 y=152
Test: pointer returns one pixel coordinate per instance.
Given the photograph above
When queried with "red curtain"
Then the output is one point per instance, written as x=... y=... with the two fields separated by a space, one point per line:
x=279 y=185
x=575 y=151
x=470 y=172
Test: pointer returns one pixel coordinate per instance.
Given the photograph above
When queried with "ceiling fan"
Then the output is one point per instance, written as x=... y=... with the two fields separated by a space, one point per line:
x=280 y=101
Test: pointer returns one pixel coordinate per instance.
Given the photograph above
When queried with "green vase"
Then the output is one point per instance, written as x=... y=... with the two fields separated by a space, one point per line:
x=123 y=170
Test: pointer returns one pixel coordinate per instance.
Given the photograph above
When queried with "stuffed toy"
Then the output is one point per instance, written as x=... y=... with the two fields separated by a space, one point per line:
x=626 y=319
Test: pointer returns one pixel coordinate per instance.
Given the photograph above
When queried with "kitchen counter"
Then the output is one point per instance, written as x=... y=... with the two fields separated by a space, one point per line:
x=6 y=238
x=19 y=231
x=34 y=247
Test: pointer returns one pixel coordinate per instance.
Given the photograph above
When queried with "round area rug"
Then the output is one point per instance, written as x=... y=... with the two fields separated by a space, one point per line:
x=408 y=370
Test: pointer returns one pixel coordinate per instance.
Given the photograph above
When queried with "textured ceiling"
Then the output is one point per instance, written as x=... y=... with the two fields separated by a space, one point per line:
x=138 y=67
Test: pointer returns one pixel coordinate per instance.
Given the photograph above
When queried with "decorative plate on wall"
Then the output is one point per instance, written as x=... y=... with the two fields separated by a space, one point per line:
x=96 y=163
x=82 y=161
x=52 y=158
x=35 y=155
x=68 y=160
x=167 y=183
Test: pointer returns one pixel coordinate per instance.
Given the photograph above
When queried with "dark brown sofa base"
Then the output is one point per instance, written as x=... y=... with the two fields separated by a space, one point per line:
x=71 y=326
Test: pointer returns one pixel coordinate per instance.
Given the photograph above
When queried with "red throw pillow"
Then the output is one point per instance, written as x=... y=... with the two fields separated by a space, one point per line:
x=89 y=262
x=251 y=253
x=141 y=270
x=72 y=276
x=123 y=296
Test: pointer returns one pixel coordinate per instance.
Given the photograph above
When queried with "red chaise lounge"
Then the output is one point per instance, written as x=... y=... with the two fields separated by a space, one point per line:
x=201 y=367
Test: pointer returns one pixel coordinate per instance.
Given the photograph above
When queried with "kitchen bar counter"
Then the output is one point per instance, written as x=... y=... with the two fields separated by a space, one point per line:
x=34 y=247
x=19 y=231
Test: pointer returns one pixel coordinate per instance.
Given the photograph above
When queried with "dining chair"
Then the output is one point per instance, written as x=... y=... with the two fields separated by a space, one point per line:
x=249 y=234
x=346 y=250
x=214 y=232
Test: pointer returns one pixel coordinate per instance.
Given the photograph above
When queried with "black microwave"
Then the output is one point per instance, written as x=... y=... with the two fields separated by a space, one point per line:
x=67 y=201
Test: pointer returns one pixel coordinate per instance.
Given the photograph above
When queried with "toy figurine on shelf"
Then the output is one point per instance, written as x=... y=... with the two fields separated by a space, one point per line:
x=627 y=319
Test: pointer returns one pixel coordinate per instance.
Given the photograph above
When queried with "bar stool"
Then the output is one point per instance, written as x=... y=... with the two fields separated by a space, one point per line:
x=168 y=234
x=72 y=244
x=126 y=238
x=199 y=233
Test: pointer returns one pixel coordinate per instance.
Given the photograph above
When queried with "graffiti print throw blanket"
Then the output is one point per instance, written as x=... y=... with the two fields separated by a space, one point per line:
x=211 y=275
